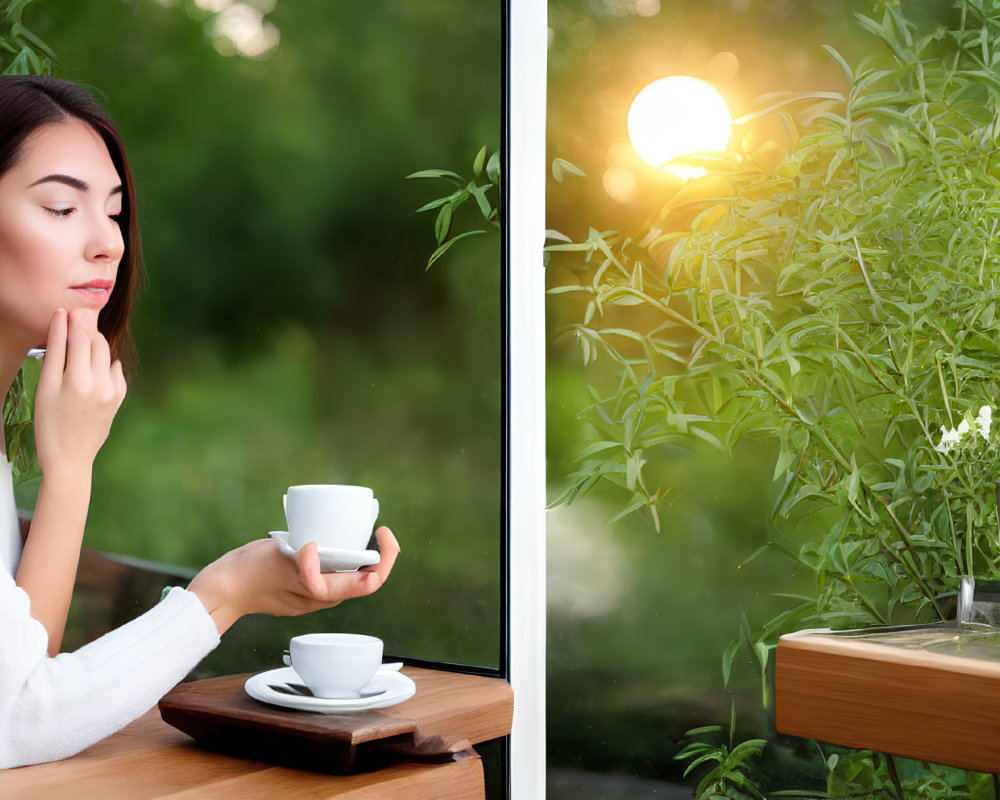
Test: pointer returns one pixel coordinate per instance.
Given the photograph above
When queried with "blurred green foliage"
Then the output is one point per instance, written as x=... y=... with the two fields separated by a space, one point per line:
x=288 y=334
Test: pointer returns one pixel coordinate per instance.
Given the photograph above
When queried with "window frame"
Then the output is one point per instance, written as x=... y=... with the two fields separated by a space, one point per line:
x=525 y=46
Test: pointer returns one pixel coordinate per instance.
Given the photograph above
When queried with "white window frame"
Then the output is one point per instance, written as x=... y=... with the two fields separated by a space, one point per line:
x=527 y=46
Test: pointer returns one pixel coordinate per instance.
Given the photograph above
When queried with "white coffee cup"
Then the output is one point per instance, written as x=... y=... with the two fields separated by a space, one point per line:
x=335 y=665
x=333 y=516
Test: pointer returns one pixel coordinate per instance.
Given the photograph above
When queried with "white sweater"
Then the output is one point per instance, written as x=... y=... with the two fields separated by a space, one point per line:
x=51 y=708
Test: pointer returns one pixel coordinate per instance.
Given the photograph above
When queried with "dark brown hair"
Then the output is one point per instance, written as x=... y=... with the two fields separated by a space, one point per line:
x=27 y=102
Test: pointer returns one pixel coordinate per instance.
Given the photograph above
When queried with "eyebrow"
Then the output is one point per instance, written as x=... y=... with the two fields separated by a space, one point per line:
x=75 y=183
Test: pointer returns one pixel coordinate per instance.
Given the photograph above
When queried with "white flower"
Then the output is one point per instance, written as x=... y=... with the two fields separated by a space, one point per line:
x=965 y=430
x=984 y=420
x=949 y=438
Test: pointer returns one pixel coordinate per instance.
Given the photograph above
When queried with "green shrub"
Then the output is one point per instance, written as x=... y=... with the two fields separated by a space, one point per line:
x=834 y=293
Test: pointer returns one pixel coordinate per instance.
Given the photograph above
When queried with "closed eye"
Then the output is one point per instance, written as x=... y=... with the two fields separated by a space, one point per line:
x=58 y=212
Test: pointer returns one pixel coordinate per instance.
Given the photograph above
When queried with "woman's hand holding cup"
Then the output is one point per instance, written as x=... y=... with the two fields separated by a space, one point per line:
x=258 y=579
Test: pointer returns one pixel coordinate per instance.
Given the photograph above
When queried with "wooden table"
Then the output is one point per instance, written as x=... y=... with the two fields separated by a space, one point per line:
x=871 y=696
x=151 y=759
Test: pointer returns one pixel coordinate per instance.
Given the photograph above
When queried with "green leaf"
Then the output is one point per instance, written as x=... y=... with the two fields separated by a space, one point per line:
x=728 y=655
x=713 y=756
x=559 y=237
x=493 y=169
x=638 y=501
x=570 y=248
x=633 y=466
x=711 y=438
x=477 y=165
x=854 y=482
x=479 y=192
x=19 y=31
x=594 y=448
x=845 y=68
x=438 y=173
x=435 y=203
x=561 y=168
x=443 y=223
x=440 y=251
x=703 y=729
x=785 y=458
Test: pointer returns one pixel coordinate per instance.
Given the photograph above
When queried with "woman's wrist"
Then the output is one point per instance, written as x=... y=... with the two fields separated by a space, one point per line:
x=63 y=498
x=210 y=589
x=66 y=472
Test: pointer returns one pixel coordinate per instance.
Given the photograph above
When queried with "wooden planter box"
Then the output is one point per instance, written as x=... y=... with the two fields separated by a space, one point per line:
x=859 y=690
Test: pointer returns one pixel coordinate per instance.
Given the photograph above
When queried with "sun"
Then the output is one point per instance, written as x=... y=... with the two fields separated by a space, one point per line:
x=677 y=115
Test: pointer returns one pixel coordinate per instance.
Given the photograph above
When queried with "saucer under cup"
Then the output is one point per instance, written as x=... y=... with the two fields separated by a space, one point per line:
x=335 y=665
x=330 y=559
x=265 y=686
x=334 y=516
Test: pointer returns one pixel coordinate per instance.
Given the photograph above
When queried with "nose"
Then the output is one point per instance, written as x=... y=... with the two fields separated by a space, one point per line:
x=105 y=242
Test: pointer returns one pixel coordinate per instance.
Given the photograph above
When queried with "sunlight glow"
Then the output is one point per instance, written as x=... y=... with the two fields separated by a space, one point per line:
x=678 y=115
x=686 y=172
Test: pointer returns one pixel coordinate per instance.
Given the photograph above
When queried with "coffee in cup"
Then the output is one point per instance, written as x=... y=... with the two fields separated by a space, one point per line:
x=334 y=516
x=335 y=665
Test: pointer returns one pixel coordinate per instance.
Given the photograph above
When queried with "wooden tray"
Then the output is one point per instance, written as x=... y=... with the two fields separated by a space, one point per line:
x=449 y=713
x=863 y=694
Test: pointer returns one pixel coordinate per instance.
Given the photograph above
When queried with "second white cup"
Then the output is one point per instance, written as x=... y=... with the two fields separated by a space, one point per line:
x=335 y=665
x=334 y=516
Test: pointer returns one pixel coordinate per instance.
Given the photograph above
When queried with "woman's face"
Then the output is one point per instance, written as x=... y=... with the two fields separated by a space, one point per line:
x=60 y=243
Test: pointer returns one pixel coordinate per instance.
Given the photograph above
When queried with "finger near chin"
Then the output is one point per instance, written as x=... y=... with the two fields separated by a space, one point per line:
x=118 y=378
x=101 y=354
x=78 y=344
x=55 y=344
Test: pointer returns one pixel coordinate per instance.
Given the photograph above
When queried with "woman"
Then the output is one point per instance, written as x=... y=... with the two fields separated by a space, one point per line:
x=70 y=267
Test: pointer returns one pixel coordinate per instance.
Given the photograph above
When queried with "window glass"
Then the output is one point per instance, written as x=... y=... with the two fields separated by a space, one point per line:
x=640 y=620
x=290 y=332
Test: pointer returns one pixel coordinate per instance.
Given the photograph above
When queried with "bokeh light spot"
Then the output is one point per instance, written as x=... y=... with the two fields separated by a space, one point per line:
x=724 y=66
x=619 y=183
x=647 y=8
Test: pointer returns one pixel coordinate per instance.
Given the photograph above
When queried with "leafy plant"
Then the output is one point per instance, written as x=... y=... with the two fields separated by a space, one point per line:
x=841 y=304
x=834 y=293
x=18 y=431
x=485 y=168
x=727 y=775
x=864 y=774
x=21 y=53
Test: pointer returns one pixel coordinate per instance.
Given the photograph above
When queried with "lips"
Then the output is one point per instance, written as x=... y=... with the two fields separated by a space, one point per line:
x=96 y=292
x=98 y=285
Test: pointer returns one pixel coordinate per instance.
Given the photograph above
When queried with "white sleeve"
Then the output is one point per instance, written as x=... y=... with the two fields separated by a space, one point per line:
x=52 y=708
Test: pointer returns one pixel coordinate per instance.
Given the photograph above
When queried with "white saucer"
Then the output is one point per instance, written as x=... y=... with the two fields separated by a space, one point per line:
x=398 y=688
x=331 y=559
